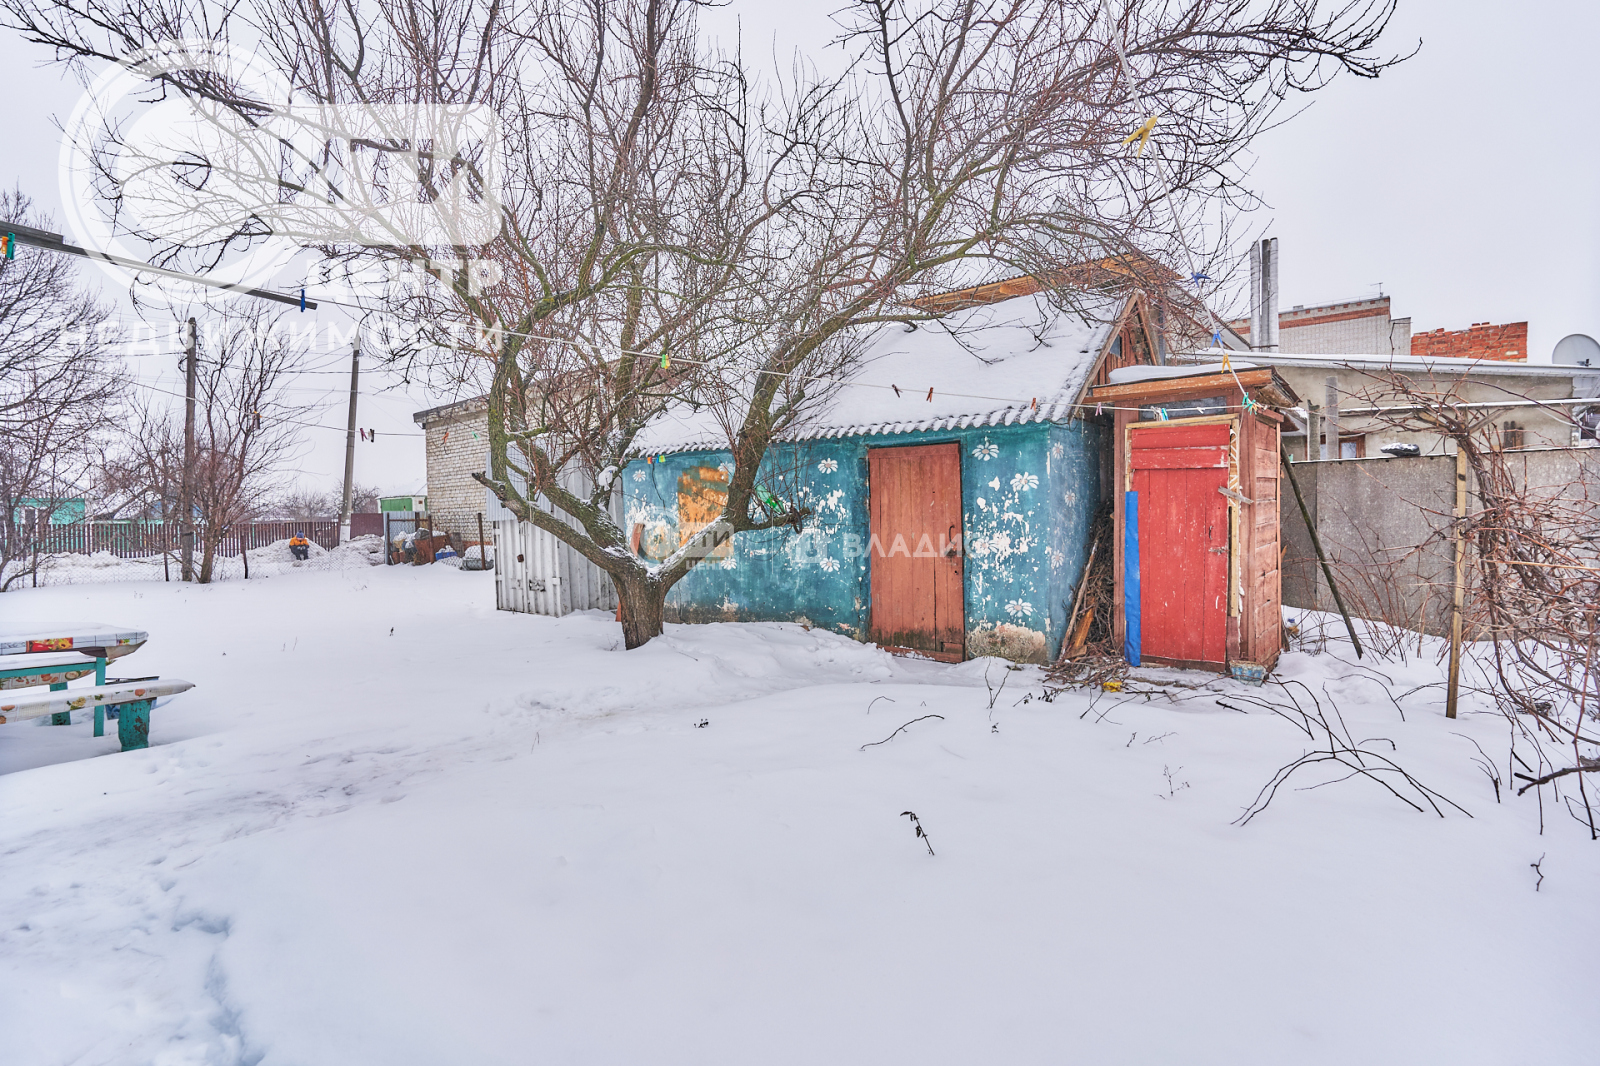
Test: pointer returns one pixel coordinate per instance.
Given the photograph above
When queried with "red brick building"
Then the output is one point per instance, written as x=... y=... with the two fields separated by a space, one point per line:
x=1481 y=340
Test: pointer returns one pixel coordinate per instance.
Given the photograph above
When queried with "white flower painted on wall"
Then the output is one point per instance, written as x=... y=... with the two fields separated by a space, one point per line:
x=986 y=450
x=828 y=466
x=1056 y=451
x=638 y=475
x=1057 y=557
x=1022 y=482
x=830 y=565
x=1019 y=608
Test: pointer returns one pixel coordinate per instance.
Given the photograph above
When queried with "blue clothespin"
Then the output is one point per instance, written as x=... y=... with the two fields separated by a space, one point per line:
x=302 y=299
x=1162 y=411
x=1216 y=339
x=1198 y=277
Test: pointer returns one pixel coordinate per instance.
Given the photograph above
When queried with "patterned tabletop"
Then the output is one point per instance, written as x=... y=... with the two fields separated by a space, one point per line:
x=117 y=640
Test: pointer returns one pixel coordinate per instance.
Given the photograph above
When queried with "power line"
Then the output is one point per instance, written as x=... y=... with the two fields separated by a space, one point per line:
x=279 y=419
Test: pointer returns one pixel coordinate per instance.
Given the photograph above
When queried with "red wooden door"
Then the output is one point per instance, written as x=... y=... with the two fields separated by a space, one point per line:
x=1183 y=540
x=915 y=552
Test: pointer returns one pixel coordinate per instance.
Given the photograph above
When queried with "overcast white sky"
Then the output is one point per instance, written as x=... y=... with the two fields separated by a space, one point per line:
x=1467 y=182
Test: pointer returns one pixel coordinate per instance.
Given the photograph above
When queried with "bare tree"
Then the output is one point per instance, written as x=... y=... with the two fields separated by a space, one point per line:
x=301 y=503
x=969 y=140
x=59 y=393
x=1535 y=585
x=676 y=231
x=245 y=431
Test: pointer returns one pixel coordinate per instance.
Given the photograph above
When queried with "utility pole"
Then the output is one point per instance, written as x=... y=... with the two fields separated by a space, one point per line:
x=186 y=488
x=350 y=439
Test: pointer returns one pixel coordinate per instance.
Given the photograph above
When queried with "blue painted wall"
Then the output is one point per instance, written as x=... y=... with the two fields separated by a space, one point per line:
x=1028 y=497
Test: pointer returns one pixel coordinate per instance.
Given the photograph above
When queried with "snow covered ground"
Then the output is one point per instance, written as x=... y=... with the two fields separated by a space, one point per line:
x=392 y=825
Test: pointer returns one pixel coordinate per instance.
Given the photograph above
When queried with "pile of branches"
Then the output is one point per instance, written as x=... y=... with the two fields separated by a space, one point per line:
x=1089 y=655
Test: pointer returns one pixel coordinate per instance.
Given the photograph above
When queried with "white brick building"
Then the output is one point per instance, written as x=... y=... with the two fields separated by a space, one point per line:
x=1363 y=326
x=457 y=447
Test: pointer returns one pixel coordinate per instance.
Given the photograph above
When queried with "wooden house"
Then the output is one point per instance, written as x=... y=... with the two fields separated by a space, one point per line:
x=953 y=481
x=1196 y=455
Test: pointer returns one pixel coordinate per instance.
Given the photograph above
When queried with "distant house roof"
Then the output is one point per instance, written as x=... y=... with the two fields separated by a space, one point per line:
x=1411 y=364
x=451 y=411
x=1018 y=360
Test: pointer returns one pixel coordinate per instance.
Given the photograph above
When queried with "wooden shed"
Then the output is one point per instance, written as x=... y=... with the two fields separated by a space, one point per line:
x=1196 y=509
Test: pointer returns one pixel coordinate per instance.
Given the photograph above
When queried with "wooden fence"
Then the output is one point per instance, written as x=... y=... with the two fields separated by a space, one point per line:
x=139 y=540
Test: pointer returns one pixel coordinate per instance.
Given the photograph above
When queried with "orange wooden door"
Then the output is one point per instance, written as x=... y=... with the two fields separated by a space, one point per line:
x=1183 y=540
x=915 y=551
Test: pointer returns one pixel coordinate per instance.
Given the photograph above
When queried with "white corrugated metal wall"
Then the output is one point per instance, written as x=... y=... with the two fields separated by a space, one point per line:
x=535 y=572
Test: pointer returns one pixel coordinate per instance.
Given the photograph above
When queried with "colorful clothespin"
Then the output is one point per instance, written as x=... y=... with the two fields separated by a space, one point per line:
x=1142 y=134
x=1197 y=277
x=1216 y=339
x=11 y=246
x=666 y=360
x=446 y=438
x=1099 y=409
x=930 y=393
x=1035 y=405
x=1162 y=411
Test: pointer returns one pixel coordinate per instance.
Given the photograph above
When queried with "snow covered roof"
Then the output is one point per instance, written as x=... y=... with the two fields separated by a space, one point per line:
x=1124 y=374
x=1019 y=360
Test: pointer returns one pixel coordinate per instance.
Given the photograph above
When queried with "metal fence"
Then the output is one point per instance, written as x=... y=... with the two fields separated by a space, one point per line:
x=93 y=552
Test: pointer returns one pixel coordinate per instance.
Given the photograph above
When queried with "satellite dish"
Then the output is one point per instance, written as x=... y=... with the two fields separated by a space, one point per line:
x=1577 y=349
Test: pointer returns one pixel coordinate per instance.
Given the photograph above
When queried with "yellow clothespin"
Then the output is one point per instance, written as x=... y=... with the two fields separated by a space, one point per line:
x=1142 y=134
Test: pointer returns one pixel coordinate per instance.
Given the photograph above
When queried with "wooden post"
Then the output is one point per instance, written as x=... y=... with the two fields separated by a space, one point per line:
x=187 y=486
x=1454 y=689
x=244 y=547
x=483 y=560
x=1316 y=544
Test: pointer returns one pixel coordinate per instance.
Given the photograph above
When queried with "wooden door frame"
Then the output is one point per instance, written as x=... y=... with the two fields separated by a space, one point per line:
x=961 y=530
x=1127 y=423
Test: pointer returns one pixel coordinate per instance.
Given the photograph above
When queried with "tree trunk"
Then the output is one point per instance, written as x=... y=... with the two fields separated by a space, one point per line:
x=644 y=602
x=208 y=559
